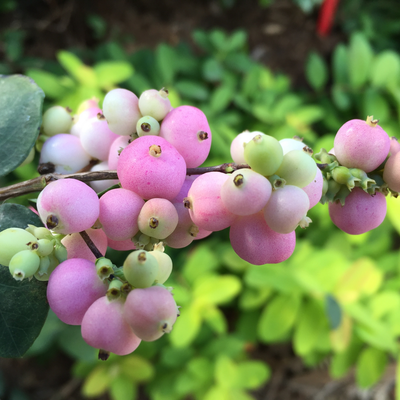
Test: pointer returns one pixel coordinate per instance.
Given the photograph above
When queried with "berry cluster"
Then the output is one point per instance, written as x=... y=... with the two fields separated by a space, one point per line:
x=357 y=175
x=262 y=197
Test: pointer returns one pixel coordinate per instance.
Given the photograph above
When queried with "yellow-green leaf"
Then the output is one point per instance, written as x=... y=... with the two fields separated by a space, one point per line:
x=371 y=364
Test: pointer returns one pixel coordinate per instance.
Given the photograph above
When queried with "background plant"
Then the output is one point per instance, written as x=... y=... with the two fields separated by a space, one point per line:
x=352 y=294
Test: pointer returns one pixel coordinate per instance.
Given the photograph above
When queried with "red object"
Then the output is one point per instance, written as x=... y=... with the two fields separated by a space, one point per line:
x=326 y=16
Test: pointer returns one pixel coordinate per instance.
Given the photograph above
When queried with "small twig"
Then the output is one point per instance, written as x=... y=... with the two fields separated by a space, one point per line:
x=91 y=245
x=39 y=183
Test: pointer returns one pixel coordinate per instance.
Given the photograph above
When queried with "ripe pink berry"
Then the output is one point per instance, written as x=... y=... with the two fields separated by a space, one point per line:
x=151 y=167
x=150 y=312
x=104 y=327
x=314 y=189
x=119 y=211
x=361 y=144
x=73 y=286
x=254 y=241
x=361 y=212
x=205 y=204
x=187 y=128
x=68 y=206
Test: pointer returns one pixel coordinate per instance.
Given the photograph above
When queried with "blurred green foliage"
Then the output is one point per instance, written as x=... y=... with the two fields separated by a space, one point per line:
x=337 y=297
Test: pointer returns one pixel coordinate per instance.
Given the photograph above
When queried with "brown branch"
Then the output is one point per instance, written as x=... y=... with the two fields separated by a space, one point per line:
x=39 y=183
x=90 y=244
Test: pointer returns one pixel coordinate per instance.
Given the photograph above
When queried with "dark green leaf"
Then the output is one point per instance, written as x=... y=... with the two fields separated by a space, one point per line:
x=333 y=311
x=192 y=90
x=339 y=64
x=23 y=305
x=166 y=61
x=201 y=39
x=212 y=70
x=21 y=104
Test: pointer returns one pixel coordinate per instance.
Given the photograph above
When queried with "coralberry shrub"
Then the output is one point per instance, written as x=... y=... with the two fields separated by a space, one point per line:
x=157 y=195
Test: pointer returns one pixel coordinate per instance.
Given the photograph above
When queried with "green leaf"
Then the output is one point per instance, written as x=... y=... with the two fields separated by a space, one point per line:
x=254 y=297
x=216 y=320
x=371 y=364
x=340 y=97
x=316 y=71
x=339 y=65
x=192 y=90
x=21 y=104
x=186 y=329
x=343 y=361
x=372 y=331
x=221 y=98
x=385 y=69
x=166 y=62
x=359 y=60
x=273 y=276
x=202 y=40
x=200 y=260
x=216 y=289
x=97 y=382
x=226 y=372
x=122 y=388
x=137 y=369
x=252 y=374
x=278 y=317
x=49 y=82
x=24 y=307
x=237 y=40
x=375 y=104
x=311 y=326
x=76 y=68
x=109 y=73
x=212 y=70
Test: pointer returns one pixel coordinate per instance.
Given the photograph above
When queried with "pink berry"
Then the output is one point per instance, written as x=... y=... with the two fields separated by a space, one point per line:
x=314 y=189
x=361 y=144
x=104 y=327
x=121 y=245
x=151 y=167
x=361 y=212
x=150 y=312
x=68 y=206
x=187 y=128
x=254 y=241
x=205 y=204
x=73 y=286
x=119 y=211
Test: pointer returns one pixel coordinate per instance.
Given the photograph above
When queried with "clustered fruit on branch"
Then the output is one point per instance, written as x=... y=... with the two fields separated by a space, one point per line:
x=160 y=196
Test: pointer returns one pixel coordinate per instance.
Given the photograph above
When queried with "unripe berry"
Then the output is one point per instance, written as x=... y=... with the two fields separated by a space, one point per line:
x=56 y=119
x=147 y=126
x=155 y=103
x=158 y=218
x=140 y=269
x=120 y=107
x=24 y=264
x=12 y=241
x=238 y=144
x=65 y=152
